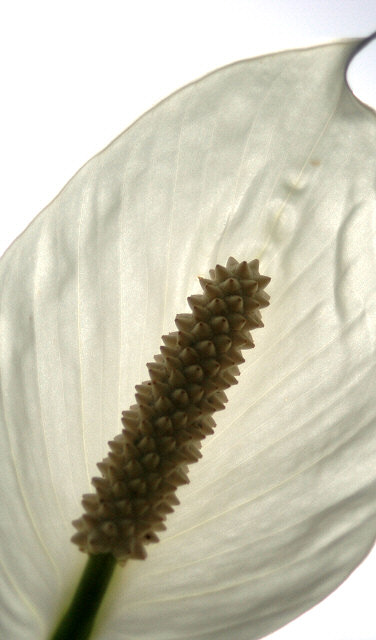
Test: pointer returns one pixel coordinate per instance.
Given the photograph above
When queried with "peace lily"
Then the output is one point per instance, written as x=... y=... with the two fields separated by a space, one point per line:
x=270 y=158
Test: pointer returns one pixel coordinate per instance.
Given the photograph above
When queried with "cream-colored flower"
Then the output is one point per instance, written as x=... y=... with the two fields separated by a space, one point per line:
x=270 y=158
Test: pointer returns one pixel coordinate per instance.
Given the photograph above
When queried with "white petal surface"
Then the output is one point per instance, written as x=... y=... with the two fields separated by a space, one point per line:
x=271 y=158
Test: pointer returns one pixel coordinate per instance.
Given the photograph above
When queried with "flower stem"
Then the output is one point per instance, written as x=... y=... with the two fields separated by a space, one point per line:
x=78 y=620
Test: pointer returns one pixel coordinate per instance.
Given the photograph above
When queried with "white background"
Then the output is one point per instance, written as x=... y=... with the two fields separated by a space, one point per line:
x=75 y=74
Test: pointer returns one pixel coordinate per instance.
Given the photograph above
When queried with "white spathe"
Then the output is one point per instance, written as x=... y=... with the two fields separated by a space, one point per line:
x=271 y=158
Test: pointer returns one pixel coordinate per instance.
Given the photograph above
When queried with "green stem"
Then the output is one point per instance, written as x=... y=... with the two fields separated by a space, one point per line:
x=78 y=621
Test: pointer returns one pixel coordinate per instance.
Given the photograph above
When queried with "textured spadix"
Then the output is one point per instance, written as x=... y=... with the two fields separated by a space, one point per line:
x=174 y=409
x=272 y=158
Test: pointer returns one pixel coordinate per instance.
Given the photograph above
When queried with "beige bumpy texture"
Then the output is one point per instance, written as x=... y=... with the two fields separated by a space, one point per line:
x=162 y=432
